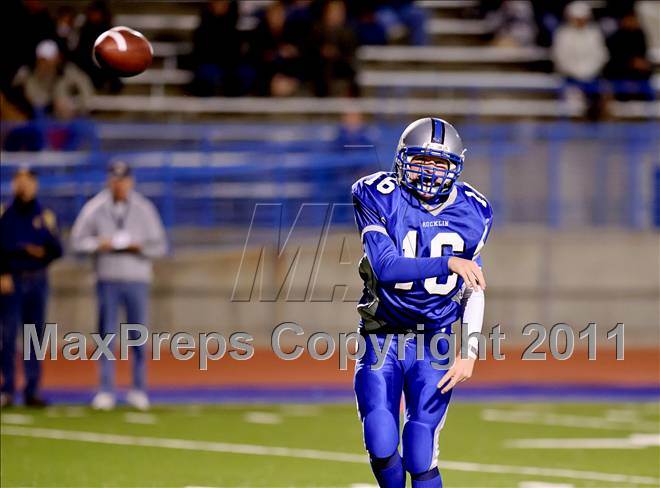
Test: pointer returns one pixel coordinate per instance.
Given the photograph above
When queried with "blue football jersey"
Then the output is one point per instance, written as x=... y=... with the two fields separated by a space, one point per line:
x=459 y=227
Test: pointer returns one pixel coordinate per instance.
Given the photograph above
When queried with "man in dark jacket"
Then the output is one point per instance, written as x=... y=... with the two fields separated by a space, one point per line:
x=29 y=242
x=217 y=51
x=629 y=69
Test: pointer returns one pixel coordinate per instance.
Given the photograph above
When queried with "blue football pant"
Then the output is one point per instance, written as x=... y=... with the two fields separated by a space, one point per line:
x=378 y=394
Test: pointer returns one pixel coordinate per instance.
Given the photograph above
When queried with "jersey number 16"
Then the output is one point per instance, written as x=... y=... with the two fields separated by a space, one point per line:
x=442 y=239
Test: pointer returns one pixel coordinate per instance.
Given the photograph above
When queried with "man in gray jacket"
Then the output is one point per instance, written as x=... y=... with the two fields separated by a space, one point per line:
x=123 y=232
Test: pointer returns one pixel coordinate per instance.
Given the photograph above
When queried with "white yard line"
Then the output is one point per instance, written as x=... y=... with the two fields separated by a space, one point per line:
x=72 y=411
x=564 y=420
x=622 y=414
x=353 y=485
x=266 y=418
x=251 y=449
x=635 y=441
x=549 y=472
x=543 y=484
x=185 y=444
x=16 y=418
x=140 y=418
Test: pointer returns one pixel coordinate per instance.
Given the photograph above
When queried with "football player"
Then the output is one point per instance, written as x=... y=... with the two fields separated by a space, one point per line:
x=422 y=232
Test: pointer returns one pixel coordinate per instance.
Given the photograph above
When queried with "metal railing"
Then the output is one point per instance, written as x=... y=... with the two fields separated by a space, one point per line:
x=559 y=174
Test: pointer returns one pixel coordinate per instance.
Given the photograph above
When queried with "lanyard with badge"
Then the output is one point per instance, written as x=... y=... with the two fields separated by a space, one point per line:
x=121 y=238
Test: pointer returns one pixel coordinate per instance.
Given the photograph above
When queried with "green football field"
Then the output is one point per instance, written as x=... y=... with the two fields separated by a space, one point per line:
x=483 y=444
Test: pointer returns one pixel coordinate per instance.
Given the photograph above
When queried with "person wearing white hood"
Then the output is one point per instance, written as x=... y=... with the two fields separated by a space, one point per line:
x=579 y=52
x=54 y=86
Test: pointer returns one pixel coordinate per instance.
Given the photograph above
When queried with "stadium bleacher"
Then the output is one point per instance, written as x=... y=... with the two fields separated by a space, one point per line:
x=211 y=175
x=460 y=75
x=459 y=61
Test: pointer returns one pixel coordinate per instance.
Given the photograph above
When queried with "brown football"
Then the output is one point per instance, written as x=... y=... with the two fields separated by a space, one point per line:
x=122 y=51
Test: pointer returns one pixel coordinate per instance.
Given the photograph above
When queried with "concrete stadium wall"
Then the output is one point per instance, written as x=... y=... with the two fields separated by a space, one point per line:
x=534 y=275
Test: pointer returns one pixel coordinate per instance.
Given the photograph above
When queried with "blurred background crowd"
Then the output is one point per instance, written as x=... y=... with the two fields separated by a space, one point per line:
x=310 y=47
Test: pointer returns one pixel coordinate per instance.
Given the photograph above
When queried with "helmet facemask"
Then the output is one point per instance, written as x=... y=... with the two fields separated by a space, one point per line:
x=429 y=173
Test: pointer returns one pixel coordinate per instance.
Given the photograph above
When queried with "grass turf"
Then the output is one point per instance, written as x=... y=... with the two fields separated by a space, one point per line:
x=468 y=437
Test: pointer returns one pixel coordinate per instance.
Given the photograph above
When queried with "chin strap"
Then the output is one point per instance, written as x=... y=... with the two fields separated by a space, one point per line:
x=439 y=199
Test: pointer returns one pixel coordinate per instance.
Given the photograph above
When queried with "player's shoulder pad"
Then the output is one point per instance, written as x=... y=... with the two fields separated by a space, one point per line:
x=477 y=200
x=369 y=187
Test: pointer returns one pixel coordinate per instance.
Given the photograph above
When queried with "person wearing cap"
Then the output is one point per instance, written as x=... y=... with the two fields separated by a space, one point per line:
x=29 y=242
x=54 y=86
x=123 y=232
x=579 y=53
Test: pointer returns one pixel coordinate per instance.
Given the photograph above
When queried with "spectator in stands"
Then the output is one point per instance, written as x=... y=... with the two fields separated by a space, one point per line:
x=300 y=16
x=579 y=54
x=53 y=89
x=98 y=19
x=616 y=9
x=547 y=15
x=353 y=132
x=23 y=25
x=629 y=69
x=513 y=24
x=39 y=22
x=29 y=243
x=368 y=29
x=401 y=19
x=276 y=53
x=54 y=86
x=217 y=50
x=123 y=231
x=335 y=56
x=65 y=30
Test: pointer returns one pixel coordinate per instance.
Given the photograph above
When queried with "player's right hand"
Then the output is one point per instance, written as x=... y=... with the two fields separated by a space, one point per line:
x=469 y=271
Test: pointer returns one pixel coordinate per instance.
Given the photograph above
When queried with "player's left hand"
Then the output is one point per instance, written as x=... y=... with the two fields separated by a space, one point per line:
x=460 y=371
